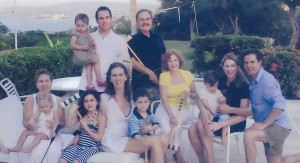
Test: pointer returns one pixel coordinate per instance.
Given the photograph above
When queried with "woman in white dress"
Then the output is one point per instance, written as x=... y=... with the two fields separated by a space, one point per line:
x=117 y=107
x=43 y=80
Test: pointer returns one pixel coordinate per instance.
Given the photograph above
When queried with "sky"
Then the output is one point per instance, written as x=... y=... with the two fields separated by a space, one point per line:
x=37 y=3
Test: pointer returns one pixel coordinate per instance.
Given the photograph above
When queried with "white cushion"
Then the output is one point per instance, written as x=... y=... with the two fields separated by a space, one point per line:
x=10 y=122
x=108 y=157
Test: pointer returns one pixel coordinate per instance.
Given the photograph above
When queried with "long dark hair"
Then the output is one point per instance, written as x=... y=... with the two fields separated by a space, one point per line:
x=110 y=90
x=82 y=110
x=240 y=76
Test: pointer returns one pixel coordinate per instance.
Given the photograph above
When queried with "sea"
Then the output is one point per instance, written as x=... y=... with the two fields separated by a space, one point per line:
x=47 y=25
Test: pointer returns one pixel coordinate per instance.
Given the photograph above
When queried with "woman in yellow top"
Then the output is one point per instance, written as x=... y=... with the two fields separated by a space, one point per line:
x=175 y=84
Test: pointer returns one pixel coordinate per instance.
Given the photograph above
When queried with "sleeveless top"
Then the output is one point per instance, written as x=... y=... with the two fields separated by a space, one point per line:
x=85 y=139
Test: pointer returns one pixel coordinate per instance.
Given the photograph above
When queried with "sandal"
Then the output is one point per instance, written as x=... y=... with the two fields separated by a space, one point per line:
x=101 y=83
x=91 y=88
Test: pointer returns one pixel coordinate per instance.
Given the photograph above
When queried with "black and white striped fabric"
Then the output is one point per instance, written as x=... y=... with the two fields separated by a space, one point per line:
x=84 y=149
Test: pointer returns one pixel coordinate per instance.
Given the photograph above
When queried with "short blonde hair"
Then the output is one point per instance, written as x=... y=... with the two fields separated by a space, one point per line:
x=43 y=96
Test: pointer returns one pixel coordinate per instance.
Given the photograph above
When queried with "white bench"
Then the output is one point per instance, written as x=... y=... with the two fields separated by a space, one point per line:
x=11 y=115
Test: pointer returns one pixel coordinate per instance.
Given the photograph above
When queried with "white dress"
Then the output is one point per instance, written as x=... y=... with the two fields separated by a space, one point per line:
x=42 y=123
x=115 y=135
x=38 y=152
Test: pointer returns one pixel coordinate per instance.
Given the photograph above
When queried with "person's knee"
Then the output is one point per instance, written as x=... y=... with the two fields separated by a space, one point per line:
x=61 y=160
x=248 y=136
x=273 y=158
x=154 y=141
x=192 y=132
x=76 y=161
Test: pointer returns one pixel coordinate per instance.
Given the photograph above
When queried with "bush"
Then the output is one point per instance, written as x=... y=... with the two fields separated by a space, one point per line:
x=285 y=66
x=20 y=65
x=209 y=50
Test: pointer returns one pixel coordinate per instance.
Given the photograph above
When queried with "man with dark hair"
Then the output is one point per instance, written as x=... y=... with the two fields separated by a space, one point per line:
x=272 y=125
x=149 y=49
x=109 y=45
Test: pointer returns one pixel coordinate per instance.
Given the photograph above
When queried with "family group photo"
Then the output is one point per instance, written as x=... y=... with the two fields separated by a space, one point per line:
x=166 y=81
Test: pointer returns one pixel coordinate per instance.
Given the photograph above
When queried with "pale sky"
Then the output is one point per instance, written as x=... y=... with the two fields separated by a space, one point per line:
x=34 y=3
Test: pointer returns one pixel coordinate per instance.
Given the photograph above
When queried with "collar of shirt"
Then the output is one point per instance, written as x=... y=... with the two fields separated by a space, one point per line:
x=107 y=36
x=138 y=115
x=258 y=77
x=142 y=35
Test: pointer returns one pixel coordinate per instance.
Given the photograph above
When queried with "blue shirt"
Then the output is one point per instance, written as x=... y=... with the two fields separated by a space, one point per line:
x=136 y=121
x=265 y=95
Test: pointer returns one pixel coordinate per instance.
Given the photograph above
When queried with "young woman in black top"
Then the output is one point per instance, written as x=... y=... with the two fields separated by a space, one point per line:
x=235 y=88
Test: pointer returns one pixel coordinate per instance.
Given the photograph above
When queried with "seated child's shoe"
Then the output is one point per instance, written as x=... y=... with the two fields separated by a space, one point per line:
x=91 y=88
x=101 y=83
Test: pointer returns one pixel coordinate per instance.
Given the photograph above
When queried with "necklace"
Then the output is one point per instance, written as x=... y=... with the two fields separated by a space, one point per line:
x=92 y=117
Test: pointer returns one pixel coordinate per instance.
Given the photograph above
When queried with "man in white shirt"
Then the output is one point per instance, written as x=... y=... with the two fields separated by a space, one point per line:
x=110 y=47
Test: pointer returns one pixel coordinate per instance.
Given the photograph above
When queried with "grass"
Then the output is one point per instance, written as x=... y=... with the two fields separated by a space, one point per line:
x=184 y=48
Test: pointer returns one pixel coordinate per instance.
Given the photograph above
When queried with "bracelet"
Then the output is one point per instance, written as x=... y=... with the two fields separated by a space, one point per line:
x=77 y=132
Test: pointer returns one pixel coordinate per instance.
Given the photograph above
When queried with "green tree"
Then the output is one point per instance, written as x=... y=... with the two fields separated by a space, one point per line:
x=292 y=4
x=122 y=26
x=3 y=29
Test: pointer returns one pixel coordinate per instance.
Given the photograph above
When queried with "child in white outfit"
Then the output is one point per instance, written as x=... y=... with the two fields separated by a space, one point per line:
x=41 y=117
x=212 y=97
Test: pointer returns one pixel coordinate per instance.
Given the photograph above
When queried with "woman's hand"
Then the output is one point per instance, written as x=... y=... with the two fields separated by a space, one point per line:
x=32 y=124
x=173 y=120
x=223 y=109
x=50 y=123
x=214 y=126
x=74 y=141
x=185 y=94
x=73 y=108
x=205 y=118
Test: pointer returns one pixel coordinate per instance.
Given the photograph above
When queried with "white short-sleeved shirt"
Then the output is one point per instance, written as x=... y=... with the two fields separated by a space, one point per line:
x=109 y=48
x=212 y=98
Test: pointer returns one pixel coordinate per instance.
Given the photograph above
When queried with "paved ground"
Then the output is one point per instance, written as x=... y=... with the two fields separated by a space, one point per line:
x=291 y=146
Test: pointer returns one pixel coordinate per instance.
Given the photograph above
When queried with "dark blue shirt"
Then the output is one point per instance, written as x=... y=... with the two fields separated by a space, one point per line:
x=150 y=51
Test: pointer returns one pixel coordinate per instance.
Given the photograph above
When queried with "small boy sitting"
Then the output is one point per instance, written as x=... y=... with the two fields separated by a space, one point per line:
x=142 y=122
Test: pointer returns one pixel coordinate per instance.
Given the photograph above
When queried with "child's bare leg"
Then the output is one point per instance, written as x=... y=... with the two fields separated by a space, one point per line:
x=97 y=68
x=224 y=135
x=36 y=141
x=89 y=74
x=21 y=141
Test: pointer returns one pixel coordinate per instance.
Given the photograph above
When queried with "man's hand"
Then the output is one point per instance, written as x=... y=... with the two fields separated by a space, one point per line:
x=153 y=77
x=258 y=126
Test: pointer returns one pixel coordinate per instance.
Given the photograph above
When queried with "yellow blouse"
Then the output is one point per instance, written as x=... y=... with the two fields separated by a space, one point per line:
x=174 y=91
